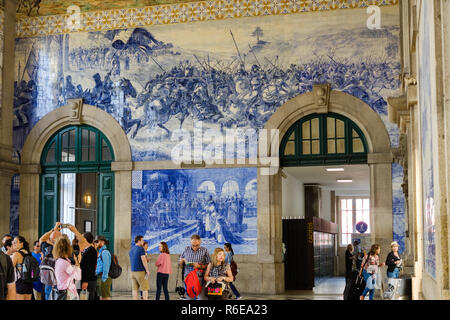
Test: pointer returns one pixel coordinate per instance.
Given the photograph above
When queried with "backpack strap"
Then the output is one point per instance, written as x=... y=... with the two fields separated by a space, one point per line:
x=365 y=262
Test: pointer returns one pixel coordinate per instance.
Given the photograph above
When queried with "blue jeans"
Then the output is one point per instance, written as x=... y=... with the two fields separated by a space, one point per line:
x=394 y=274
x=47 y=290
x=235 y=291
x=370 y=284
x=161 y=281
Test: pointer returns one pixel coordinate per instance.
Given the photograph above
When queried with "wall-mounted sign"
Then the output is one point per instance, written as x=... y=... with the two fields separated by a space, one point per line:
x=361 y=227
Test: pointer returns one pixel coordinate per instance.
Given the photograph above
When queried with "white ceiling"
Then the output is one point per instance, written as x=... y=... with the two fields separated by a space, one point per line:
x=358 y=173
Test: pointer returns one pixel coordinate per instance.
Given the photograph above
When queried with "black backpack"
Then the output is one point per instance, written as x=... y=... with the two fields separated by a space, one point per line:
x=115 y=270
x=29 y=268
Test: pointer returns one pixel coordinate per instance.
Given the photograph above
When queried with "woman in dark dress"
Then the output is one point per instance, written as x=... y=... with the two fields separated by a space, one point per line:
x=349 y=258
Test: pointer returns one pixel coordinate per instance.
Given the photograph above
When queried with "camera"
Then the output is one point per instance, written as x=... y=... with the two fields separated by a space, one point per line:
x=180 y=290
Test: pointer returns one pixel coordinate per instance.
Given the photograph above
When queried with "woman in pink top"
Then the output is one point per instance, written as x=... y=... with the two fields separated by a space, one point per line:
x=65 y=273
x=164 y=269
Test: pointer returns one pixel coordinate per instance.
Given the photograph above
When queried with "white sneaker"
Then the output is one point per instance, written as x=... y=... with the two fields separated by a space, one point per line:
x=238 y=298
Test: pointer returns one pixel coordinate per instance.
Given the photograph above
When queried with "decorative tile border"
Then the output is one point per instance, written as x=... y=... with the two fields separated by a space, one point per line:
x=182 y=13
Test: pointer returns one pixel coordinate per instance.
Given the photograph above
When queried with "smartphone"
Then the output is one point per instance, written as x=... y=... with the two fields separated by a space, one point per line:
x=64 y=225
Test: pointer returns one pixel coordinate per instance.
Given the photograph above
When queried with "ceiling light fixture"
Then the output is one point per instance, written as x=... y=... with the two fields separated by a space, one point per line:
x=334 y=169
x=344 y=180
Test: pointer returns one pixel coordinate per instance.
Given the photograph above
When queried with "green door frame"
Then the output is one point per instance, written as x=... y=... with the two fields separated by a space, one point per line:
x=323 y=157
x=99 y=155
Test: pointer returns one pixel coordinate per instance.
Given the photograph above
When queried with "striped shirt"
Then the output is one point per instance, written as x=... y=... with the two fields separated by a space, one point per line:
x=201 y=256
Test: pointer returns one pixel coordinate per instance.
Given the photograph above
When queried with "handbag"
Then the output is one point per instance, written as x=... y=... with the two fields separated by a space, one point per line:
x=84 y=295
x=56 y=294
x=215 y=289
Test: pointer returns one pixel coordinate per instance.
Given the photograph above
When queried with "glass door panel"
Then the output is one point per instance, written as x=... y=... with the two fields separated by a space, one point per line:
x=67 y=201
x=86 y=217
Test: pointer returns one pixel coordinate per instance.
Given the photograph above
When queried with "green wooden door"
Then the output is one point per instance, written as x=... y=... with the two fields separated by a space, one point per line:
x=106 y=207
x=49 y=202
x=77 y=149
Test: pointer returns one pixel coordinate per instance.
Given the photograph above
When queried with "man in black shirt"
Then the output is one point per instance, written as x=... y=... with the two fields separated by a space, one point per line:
x=7 y=279
x=88 y=262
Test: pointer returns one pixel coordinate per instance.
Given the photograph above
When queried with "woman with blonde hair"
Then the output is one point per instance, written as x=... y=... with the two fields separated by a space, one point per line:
x=393 y=261
x=65 y=273
x=218 y=277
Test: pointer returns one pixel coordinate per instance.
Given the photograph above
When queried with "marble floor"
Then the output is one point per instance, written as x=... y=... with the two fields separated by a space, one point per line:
x=330 y=289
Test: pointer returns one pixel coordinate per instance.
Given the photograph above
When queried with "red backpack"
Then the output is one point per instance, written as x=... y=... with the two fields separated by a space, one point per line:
x=192 y=284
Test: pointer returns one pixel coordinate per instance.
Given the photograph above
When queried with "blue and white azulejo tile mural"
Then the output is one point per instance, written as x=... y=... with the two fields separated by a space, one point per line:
x=220 y=205
x=398 y=207
x=427 y=124
x=226 y=74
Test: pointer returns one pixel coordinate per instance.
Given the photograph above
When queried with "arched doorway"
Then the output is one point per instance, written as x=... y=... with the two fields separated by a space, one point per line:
x=76 y=183
x=379 y=161
x=313 y=152
x=77 y=114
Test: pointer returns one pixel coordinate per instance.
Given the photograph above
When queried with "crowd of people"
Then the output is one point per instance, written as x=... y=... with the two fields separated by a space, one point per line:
x=67 y=270
x=80 y=270
x=210 y=269
x=368 y=263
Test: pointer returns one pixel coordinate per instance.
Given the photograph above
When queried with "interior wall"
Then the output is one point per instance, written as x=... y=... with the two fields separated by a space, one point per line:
x=293 y=197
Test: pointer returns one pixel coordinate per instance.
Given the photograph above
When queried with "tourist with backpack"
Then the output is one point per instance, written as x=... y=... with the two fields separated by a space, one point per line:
x=65 y=272
x=229 y=253
x=7 y=278
x=37 y=285
x=27 y=268
x=47 y=267
x=104 y=281
x=195 y=259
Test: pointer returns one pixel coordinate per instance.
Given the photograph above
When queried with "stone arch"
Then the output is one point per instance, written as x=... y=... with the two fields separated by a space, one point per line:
x=77 y=113
x=379 y=161
x=230 y=183
x=342 y=103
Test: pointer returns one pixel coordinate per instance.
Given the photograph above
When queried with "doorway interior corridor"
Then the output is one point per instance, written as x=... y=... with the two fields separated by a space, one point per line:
x=324 y=160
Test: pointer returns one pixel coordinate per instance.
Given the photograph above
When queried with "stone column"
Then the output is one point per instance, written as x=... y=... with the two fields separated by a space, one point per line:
x=269 y=257
x=7 y=166
x=381 y=201
x=313 y=200
x=122 y=221
x=29 y=201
